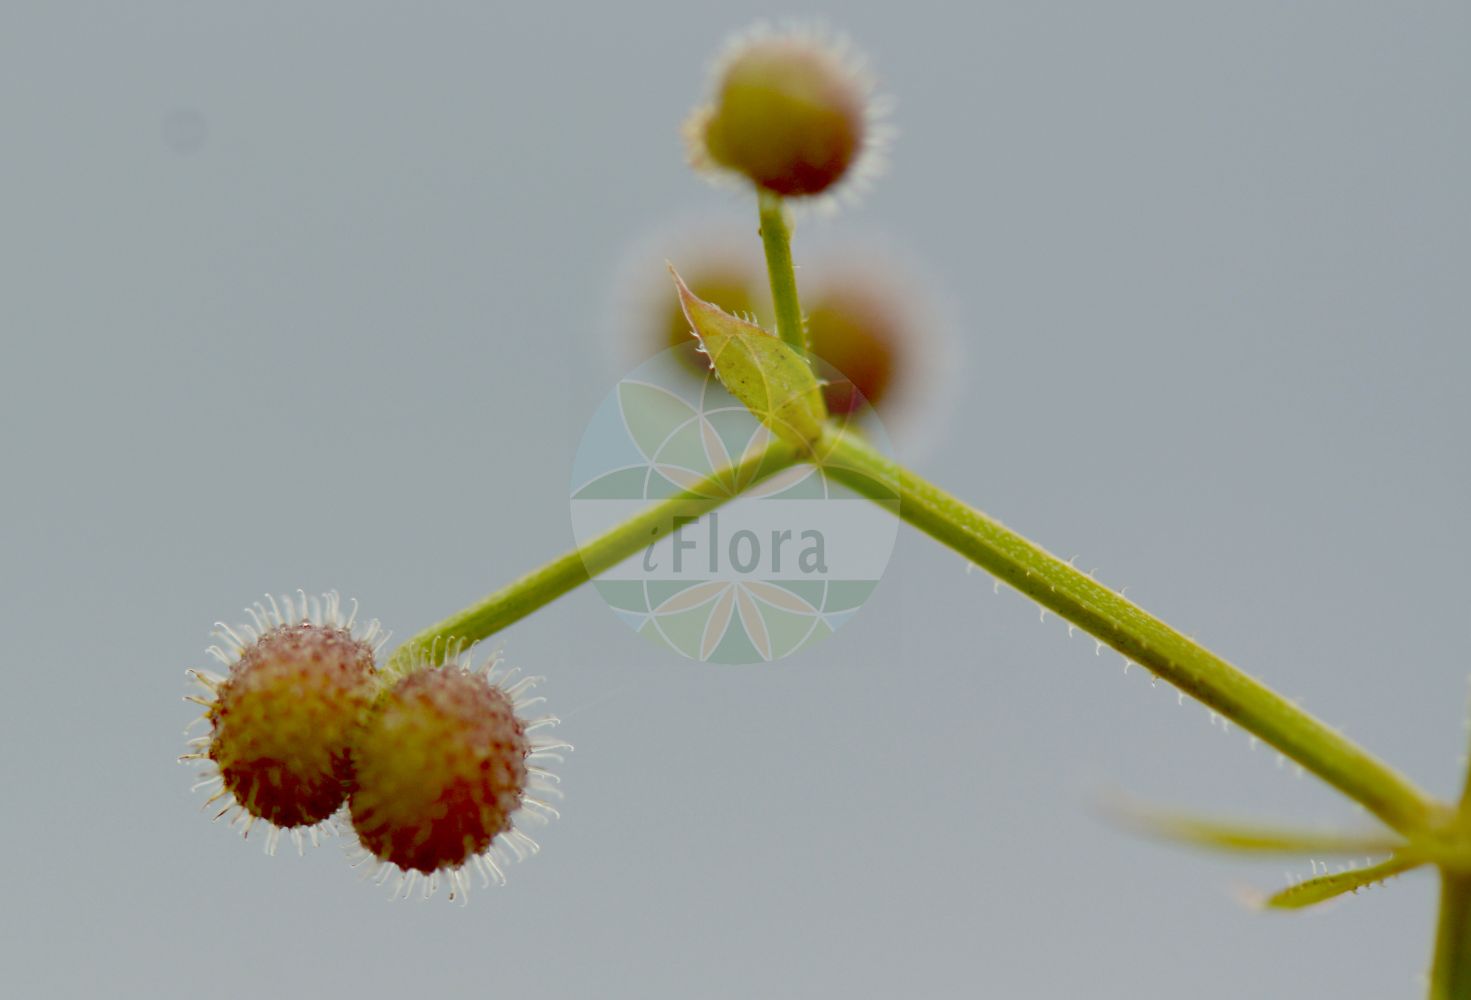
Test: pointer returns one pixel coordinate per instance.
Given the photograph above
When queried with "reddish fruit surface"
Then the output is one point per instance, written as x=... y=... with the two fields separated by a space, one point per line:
x=285 y=718
x=788 y=115
x=856 y=334
x=441 y=768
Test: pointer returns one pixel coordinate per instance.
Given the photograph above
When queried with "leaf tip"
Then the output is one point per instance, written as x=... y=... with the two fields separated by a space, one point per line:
x=697 y=312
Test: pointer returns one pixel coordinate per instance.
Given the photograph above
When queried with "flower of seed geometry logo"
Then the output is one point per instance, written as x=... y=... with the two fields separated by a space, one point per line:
x=781 y=564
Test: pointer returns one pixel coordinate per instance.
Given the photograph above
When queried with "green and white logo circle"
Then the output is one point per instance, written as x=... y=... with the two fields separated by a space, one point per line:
x=781 y=563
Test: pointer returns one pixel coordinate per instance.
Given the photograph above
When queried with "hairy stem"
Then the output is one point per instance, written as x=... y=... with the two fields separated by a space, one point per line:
x=776 y=238
x=1133 y=632
x=541 y=586
x=1450 y=974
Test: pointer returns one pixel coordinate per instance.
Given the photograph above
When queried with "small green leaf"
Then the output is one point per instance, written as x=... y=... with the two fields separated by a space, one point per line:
x=774 y=381
x=1244 y=838
x=1326 y=887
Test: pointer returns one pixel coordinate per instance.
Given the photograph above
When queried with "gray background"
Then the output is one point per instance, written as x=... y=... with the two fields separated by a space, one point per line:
x=313 y=295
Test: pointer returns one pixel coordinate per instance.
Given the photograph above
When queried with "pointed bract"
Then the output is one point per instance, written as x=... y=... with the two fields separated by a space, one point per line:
x=1330 y=886
x=758 y=368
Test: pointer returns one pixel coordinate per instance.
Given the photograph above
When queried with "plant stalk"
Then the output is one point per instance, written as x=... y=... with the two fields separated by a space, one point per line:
x=541 y=586
x=1450 y=973
x=776 y=239
x=1138 y=636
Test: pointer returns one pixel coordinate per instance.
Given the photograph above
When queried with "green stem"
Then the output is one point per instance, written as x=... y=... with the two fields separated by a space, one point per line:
x=541 y=586
x=1450 y=975
x=776 y=238
x=1127 y=628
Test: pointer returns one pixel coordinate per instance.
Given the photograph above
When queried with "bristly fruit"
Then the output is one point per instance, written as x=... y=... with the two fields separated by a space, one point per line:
x=853 y=329
x=790 y=112
x=721 y=263
x=877 y=320
x=284 y=718
x=444 y=770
